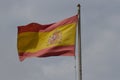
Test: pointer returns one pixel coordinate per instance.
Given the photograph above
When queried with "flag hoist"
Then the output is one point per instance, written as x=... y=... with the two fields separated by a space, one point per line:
x=56 y=39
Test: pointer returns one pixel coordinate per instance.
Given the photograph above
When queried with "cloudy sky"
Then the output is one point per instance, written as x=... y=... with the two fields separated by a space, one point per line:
x=100 y=22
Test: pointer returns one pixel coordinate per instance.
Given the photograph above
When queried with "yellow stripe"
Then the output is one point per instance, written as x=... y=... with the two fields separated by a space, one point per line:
x=34 y=41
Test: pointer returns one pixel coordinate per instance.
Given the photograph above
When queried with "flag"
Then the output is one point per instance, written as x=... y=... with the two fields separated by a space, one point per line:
x=56 y=39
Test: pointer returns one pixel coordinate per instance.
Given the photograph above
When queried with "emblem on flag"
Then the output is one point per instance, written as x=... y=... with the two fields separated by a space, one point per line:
x=55 y=38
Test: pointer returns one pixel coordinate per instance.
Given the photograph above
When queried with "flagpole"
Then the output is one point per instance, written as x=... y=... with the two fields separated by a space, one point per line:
x=79 y=46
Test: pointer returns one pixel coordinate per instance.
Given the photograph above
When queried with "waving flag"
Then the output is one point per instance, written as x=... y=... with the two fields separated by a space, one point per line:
x=57 y=39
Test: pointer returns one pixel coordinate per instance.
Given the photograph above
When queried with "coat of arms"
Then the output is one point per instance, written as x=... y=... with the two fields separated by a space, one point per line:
x=55 y=38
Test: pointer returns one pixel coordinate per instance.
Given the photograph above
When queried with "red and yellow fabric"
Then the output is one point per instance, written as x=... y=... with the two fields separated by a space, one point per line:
x=57 y=39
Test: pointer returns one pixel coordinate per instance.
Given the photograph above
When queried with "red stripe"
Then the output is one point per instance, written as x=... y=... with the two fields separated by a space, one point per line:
x=35 y=27
x=54 y=51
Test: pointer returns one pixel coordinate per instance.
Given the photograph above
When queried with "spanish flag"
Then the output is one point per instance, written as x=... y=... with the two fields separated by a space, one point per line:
x=57 y=39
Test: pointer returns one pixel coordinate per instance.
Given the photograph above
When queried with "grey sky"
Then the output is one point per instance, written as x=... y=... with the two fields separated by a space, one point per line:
x=100 y=39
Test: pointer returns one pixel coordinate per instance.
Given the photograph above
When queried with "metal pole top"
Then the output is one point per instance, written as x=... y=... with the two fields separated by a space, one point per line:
x=78 y=5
